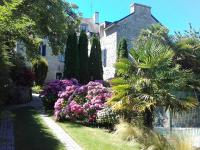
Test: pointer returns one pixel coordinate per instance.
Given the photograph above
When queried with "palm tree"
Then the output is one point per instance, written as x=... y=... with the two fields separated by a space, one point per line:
x=149 y=81
x=156 y=31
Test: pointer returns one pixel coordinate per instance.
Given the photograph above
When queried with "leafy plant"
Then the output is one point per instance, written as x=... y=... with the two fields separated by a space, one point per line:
x=107 y=116
x=37 y=89
x=81 y=103
x=40 y=69
x=149 y=80
x=51 y=89
x=122 y=51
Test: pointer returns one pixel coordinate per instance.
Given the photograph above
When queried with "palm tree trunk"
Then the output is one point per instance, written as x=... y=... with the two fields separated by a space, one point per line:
x=148 y=118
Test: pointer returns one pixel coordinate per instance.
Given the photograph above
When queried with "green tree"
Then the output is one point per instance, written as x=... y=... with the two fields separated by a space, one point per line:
x=40 y=69
x=122 y=51
x=30 y=21
x=95 y=62
x=4 y=75
x=71 y=68
x=157 y=32
x=150 y=81
x=187 y=53
x=83 y=57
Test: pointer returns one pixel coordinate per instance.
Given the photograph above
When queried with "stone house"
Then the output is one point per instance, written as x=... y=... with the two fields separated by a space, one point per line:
x=129 y=27
x=110 y=33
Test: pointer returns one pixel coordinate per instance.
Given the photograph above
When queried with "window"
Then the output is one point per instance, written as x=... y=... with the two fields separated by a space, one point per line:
x=43 y=50
x=104 y=57
x=83 y=27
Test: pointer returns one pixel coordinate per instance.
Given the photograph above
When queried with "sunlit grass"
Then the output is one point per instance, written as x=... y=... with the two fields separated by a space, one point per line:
x=95 y=138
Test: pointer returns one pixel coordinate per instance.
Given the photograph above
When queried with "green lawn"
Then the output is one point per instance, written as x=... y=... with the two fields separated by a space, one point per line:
x=95 y=138
x=31 y=132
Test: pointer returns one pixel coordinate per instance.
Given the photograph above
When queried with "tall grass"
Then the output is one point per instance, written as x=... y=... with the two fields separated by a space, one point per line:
x=150 y=140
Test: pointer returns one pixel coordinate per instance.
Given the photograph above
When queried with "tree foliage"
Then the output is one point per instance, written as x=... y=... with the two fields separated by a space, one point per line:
x=149 y=81
x=4 y=75
x=157 y=32
x=40 y=69
x=71 y=68
x=122 y=51
x=31 y=21
x=187 y=53
x=95 y=61
x=83 y=57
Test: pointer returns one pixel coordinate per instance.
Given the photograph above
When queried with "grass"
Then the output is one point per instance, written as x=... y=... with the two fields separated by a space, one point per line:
x=95 y=138
x=31 y=132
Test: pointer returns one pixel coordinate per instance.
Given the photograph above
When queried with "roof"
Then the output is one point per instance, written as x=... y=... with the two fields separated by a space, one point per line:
x=116 y=22
x=94 y=28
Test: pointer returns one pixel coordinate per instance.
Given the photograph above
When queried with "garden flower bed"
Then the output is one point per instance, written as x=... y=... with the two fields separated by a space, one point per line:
x=76 y=102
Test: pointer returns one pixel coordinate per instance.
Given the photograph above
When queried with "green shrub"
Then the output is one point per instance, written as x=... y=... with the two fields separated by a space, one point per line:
x=107 y=117
x=49 y=101
x=40 y=68
x=37 y=89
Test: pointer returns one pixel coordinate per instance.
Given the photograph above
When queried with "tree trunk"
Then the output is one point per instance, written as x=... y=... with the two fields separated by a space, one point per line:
x=148 y=118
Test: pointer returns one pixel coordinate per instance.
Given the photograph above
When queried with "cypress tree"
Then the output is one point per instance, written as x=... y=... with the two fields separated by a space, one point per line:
x=95 y=62
x=83 y=58
x=122 y=51
x=71 y=67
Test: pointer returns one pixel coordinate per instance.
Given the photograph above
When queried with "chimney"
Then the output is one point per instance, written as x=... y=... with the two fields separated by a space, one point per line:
x=132 y=8
x=96 y=17
x=140 y=8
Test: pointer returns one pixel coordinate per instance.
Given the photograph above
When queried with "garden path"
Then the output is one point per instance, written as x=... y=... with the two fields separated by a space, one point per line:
x=6 y=127
x=69 y=143
x=6 y=131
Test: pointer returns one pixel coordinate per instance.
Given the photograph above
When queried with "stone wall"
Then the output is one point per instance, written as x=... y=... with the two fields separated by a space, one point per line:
x=108 y=42
x=128 y=28
x=54 y=64
x=131 y=26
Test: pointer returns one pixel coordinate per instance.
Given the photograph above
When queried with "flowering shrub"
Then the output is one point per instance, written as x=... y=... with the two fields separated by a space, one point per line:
x=51 y=90
x=107 y=116
x=81 y=102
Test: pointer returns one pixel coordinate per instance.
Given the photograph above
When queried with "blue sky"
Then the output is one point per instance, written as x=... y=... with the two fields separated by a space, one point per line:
x=174 y=14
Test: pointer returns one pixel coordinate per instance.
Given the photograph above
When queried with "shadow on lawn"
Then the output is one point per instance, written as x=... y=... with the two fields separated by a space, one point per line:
x=31 y=133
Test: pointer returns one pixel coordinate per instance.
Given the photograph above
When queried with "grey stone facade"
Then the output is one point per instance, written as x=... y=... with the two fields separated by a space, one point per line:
x=128 y=28
x=110 y=34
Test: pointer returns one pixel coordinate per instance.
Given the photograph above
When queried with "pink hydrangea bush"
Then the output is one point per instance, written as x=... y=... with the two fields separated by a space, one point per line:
x=52 y=89
x=81 y=102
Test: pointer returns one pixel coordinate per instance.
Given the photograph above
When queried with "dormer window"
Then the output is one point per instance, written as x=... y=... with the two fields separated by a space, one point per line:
x=83 y=27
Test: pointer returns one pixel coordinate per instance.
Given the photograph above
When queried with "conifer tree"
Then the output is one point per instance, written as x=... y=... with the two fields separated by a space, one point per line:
x=83 y=57
x=95 y=62
x=71 y=67
x=122 y=51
